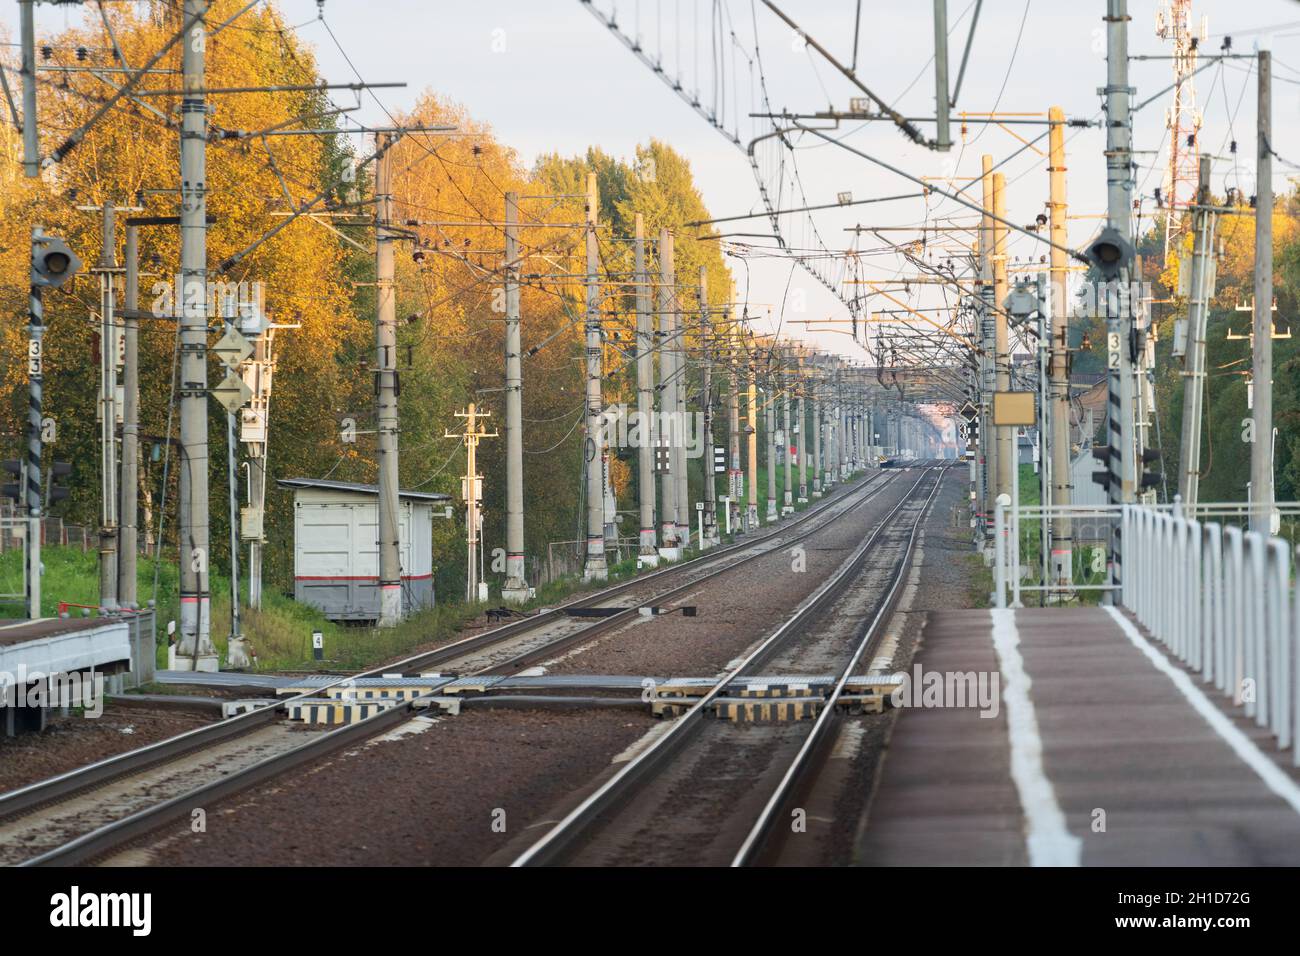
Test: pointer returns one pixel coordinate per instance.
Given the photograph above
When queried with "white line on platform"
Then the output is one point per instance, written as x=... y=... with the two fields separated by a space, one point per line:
x=1047 y=838
x=1273 y=776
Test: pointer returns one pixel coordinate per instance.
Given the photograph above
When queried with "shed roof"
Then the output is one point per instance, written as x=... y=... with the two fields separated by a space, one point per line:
x=358 y=488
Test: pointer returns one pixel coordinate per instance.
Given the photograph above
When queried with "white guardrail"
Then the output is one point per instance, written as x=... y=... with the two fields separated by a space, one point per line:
x=1219 y=598
x=1222 y=601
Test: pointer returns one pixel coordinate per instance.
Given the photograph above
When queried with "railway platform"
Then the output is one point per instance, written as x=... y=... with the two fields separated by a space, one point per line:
x=1103 y=751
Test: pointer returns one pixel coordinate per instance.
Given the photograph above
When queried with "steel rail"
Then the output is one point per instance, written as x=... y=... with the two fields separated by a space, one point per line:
x=618 y=788
x=73 y=781
x=759 y=832
x=105 y=838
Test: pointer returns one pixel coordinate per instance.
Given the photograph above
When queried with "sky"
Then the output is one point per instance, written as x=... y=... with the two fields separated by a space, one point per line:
x=550 y=77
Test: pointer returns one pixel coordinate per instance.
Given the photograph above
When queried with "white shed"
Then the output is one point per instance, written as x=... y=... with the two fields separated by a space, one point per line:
x=336 y=547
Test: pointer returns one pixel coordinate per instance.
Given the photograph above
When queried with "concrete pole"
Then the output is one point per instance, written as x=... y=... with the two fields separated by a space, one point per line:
x=1189 y=472
x=769 y=423
x=128 y=509
x=1006 y=435
x=844 y=430
x=682 y=496
x=258 y=454
x=108 y=474
x=234 y=654
x=942 y=99
x=706 y=405
x=31 y=143
x=787 y=498
x=988 y=336
x=647 y=548
x=389 y=527
x=195 y=650
x=802 y=436
x=815 y=423
x=736 y=476
x=1119 y=204
x=670 y=382
x=752 y=431
x=1062 y=541
x=515 y=588
x=595 y=569
x=1261 y=450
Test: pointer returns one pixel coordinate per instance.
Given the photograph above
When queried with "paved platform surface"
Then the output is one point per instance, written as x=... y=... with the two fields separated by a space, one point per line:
x=1090 y=731
x=20 y=632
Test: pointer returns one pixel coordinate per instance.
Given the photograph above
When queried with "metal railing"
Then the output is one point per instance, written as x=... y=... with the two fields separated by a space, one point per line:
x=1223 y=602
x=1021 y=557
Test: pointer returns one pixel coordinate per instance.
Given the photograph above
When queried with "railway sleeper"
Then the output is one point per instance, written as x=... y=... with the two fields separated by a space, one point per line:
x=322 y=710
x=740 y=709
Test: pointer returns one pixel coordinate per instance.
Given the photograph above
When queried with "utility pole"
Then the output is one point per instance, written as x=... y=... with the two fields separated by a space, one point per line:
x=647 y=551
x=682 y=496
x=1062 y=542
x=1261 y=449
x=735 y=475
x=472 y=492
x=230 y=312
x=389 y=528
x=127 y=487
x=258 y=451
x=595 y=569
x=706 y=402
x=107 y=269
x=195 y=651
x=802 y=428
x=31 y=142
x=670 y=381
x=787 y=498
x=751 y=515
x=769 y=423
x=1006 y=434
x=816 y=425
x=988 y=337
x=515 y=588
x=1121 y=464
x=1198 y=296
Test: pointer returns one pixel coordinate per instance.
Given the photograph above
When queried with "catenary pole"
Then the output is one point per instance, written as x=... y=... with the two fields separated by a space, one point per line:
x=1062 y=543
x=706 y=403
x=389 y=528
x=196 y=650
x=647 y=550
x=1198 y=296
x=128 y=509
x=595 y=568
x=1261 y=449
x=515 y=588
x=108 y=473
x=670 y=382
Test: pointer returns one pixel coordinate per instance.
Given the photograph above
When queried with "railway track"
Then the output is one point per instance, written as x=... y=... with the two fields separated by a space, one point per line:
x=84 y=814
x=698 y=788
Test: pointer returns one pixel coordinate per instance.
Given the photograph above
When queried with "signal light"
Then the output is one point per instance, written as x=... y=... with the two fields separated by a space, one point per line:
x=1110 y=252
x=53 y=263
x=1150 y=479
x=12 y=489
